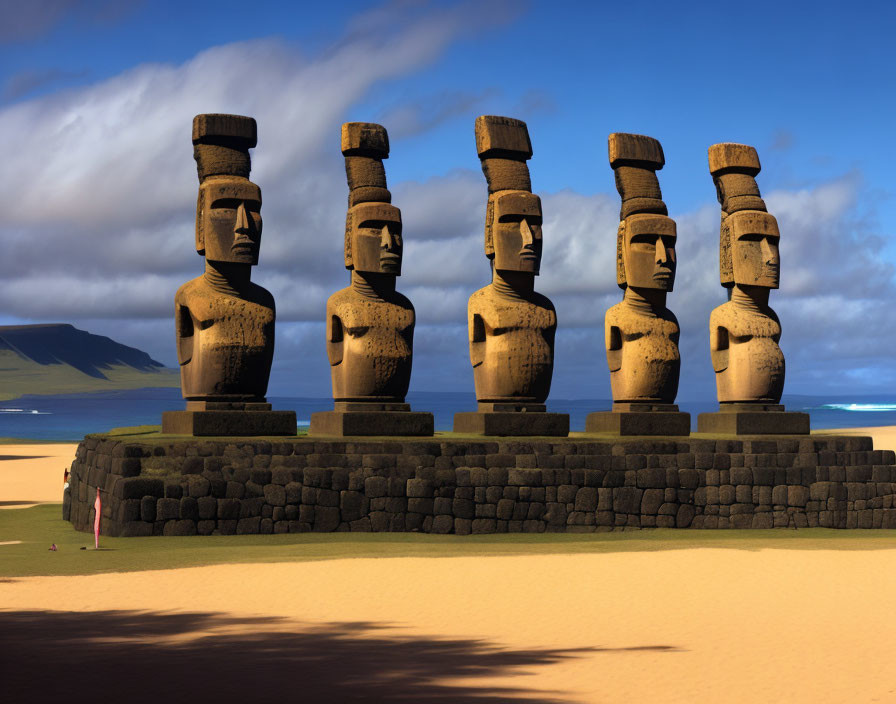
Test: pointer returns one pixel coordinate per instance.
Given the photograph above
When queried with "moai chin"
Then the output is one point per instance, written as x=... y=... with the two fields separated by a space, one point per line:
x=744 y=332
x=641 y=333
x=370 y=325
x=225 y=323
x=511 y=327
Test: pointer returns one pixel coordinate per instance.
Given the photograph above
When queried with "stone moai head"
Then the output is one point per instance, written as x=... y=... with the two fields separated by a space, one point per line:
x=513 y=215
x=373 y=241
x=645 y=240
x=228 y=212
x=748 y=237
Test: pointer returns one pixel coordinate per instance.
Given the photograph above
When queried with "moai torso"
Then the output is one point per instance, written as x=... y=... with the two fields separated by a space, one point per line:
x=224 y=322
x=748 y=362
x=745 y=331
x=511 y=345
x=225 y=340
x=370 y=326
x=642 y=353
x=641 y=332
x=370 y=343
x=511 y=326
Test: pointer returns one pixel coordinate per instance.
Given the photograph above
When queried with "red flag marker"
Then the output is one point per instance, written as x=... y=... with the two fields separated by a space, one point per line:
x=98 y=506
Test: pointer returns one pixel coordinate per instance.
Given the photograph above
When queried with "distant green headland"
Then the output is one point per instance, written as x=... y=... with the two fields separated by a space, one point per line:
x=59 y=359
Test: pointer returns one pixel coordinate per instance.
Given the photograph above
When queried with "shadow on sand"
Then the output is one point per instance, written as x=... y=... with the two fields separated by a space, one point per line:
x=152 y=657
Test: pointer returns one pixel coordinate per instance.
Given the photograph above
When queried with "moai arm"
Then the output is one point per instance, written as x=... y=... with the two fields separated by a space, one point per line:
x=184 y=327
x=477 y=339
x=614 y=347
x=335 y=340
x=718 y=347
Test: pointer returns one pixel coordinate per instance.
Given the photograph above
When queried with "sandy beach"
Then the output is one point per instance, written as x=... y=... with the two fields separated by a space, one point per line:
x=725 y=625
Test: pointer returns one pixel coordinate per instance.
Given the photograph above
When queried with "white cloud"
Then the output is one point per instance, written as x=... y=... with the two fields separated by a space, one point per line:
x=101 y=190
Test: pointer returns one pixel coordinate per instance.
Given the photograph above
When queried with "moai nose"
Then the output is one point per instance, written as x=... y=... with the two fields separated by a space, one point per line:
x=242 y=220
x=768 y=252
x=661 y=255
x=387 y=241
x=526 y=231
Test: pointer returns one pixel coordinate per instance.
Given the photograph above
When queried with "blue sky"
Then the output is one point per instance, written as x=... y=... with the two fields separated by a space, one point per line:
x=96 y=100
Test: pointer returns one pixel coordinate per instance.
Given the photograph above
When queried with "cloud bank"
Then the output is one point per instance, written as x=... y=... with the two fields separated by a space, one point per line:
x=101 y=186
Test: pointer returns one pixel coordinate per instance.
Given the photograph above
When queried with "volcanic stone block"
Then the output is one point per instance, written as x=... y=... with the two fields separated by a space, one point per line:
x=512 y=423
x=669 y=422
x=371 y=423
x=237 y=423
x=744 y=421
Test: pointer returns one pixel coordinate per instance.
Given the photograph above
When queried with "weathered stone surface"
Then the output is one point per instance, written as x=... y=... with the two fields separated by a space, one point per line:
x=511 y=327
x=224 y=323
x=275 y=495
x=653 y=485
x=167 y=509
x=641 y=333
x=369 y=325
x=744 y=332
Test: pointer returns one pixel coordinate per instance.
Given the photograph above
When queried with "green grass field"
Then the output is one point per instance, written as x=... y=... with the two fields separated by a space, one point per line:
x=40 y=526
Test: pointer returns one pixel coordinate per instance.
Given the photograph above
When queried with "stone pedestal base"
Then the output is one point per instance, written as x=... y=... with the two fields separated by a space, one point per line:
x=753 y=419
x=529 y=420
x=367 y=419
x=229 y=422
x=640 y=419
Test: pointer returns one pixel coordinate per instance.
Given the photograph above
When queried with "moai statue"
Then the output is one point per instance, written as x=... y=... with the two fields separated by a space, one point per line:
x=744 y=332
x=224 y=322
x=511 y=327
x=370 y=326
x=641 y=333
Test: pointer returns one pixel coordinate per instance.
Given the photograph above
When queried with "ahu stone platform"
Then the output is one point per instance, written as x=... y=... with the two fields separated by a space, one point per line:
x=188 y=486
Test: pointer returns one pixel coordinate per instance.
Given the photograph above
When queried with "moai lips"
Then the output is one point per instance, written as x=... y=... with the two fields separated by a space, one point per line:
x=224 y=322
x=511 y=327
x=744 y=332
x=370 y=326
x=641 y=334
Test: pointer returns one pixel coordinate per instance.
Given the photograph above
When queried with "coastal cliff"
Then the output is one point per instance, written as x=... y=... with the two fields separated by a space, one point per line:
x=59 y=358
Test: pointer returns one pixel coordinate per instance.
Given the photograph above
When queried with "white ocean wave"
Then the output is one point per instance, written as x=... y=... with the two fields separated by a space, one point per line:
x=25 y=411
x=862 y=407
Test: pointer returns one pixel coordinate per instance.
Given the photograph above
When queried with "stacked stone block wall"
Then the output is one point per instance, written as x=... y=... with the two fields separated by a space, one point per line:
x=190 y=486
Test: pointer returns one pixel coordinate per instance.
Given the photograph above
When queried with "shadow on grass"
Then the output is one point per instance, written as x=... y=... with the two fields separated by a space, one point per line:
x=152 y=657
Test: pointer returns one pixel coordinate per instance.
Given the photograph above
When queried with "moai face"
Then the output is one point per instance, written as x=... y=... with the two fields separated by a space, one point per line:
x=516 y=232
x=754 y=248
x=228 y=220
x=376 y=244
x=648 y=250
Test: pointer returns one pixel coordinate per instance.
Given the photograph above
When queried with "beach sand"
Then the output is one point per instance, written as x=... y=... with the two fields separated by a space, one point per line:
x=709 y=624
x=33 y=474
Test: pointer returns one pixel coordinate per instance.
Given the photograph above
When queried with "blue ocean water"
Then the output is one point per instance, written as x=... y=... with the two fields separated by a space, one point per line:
x=71 y=416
